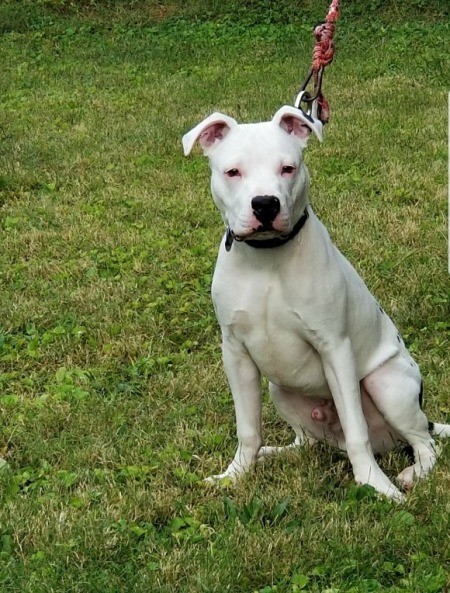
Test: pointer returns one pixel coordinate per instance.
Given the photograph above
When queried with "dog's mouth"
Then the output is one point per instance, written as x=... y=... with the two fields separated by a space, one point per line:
x=265 y=235
x=265 y=228
x=263 y=231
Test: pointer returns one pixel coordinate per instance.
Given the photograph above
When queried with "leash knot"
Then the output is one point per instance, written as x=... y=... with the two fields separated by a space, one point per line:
x=323 y=52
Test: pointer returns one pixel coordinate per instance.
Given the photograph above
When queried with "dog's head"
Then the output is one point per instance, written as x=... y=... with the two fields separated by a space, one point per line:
x=259 y=181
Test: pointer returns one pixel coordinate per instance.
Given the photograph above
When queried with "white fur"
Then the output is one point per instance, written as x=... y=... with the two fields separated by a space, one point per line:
x=300 y=315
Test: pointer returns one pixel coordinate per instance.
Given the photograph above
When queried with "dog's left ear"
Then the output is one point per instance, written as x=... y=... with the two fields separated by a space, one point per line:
x=294 y=121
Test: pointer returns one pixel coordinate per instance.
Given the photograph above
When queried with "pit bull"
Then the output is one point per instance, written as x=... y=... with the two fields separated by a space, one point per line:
x=292 y=308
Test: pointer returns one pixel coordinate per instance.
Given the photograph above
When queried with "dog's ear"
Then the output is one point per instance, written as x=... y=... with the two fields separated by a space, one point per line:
x=209 y=132
x=294 y=121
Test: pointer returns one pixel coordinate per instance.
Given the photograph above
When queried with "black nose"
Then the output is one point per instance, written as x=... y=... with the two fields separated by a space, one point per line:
x=265 y=208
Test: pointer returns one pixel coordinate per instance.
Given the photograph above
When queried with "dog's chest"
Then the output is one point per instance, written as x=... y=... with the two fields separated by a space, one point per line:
x=267 y=320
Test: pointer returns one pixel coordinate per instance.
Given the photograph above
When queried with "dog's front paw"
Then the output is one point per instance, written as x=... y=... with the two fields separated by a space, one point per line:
x=389 y=490
x=229 y=476
x=393 y=493
x=378 y=480
x=240 y=465
x=221 y=479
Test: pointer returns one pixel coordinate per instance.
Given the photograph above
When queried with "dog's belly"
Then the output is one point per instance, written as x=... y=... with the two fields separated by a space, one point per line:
x=316 y=418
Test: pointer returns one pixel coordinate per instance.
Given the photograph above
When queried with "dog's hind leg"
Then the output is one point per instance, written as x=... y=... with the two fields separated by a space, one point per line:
x=396 y=390
x=266 y=451
x=440 y=430
x=300 y=439
x=302 y=414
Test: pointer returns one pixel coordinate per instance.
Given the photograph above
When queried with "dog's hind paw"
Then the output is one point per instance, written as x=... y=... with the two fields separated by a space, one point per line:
x=269 y=451
x=265 y=451
x=409 y=476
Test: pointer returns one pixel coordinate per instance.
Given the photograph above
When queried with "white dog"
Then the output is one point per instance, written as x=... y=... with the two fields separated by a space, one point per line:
x=291 y=307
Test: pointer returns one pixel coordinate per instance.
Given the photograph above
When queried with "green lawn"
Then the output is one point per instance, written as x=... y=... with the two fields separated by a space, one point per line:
x=113 y=401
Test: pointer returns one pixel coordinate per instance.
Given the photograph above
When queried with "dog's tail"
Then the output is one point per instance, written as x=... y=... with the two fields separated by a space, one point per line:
x=439 y=430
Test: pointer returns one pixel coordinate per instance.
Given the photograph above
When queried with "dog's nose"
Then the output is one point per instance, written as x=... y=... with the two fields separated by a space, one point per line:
x=265 y=208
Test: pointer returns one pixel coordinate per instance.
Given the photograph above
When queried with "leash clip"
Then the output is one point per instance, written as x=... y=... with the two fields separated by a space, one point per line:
x=311 y=101
x=311 y=109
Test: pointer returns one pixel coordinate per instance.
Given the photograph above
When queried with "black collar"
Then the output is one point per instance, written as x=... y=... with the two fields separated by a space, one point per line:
x=269 y=243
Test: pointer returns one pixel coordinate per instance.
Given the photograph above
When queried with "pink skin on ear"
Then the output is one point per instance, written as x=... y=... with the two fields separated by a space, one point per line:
x=214 y=132
x=294 y=126
x=209 y=132
x=297 y=123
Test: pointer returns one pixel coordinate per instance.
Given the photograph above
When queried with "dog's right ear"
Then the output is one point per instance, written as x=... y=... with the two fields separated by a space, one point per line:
x=209 y=132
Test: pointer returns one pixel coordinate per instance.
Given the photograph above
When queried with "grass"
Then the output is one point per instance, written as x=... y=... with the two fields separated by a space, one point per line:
x=113 y=401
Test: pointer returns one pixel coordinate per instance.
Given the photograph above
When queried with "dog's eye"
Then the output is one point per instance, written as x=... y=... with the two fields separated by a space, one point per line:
x=287 y=170
x=233 y=173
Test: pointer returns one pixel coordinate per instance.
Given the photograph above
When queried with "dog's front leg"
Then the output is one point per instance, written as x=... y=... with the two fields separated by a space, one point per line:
x=245 y=384
x=340 y=371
